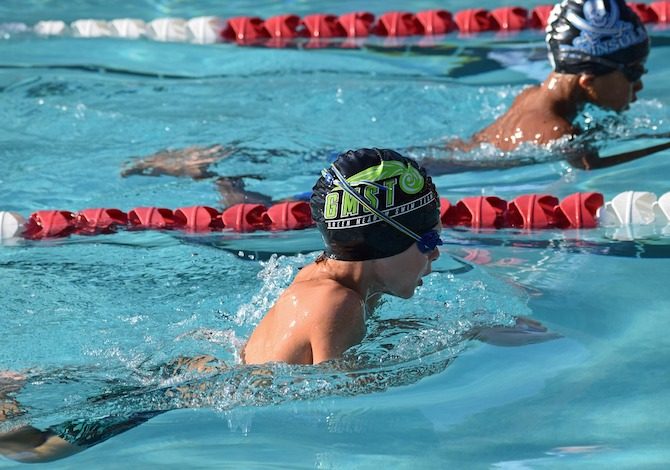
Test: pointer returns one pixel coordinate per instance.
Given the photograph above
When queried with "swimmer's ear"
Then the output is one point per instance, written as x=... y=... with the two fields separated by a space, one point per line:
x=585 y=82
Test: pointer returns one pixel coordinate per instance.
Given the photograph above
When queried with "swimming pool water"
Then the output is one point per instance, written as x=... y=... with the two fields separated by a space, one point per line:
x=86 y=316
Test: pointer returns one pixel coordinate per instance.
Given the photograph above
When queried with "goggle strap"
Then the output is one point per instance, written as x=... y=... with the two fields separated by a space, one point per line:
x=582 y=56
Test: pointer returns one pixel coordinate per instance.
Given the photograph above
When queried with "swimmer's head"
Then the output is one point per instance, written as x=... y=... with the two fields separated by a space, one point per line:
x=597 y=37
x=403 y=206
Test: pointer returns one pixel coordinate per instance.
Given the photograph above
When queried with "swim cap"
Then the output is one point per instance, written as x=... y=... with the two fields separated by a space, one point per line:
x=579 y=32
x=389 y=183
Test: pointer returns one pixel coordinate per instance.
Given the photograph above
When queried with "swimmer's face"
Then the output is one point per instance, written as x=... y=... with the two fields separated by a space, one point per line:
x=613 y=91
x=401 y=274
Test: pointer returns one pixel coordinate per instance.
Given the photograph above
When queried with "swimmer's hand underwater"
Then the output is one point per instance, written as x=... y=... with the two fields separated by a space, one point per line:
x=10 y=382
x=525 y=331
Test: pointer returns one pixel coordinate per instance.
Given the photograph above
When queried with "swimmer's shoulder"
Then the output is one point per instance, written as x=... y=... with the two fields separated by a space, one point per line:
x=332 y=315
x=328 y=300
x=528 y=94
x=542 y=126
x=534 y=111
x=559 y=129
x=337 y=320
x=328 y=291
x=320 y=288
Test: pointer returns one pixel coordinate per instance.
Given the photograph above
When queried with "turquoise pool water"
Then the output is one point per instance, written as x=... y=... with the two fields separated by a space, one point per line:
x=95 y=316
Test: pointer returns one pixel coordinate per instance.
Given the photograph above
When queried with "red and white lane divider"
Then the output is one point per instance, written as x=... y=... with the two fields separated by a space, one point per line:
x=321 y=29
x=529 y=211
x=543 y=211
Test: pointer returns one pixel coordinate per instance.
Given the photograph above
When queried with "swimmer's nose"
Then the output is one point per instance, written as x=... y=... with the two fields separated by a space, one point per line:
x=432 y=256
x=637 y=86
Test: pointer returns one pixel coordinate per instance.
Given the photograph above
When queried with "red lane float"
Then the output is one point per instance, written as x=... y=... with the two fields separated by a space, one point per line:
x=49 y=224
x=245 y=30
x=476 y=212
x=528 y=212
x=475 y=20
x=436 y=22
x=151 y=218
x=322 y=27
x=290 y=216
x=539 y=16
x=246 y=217
x=198 y=218
x=532 y=211
x=357 y=24
x=511 y=18
x=662 y=11
x=397 y=23
x=283 y=26
x=644 y=11
x=95 y=221
x=579 y=210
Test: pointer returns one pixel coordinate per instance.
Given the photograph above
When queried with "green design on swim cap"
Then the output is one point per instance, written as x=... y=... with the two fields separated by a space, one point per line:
x=411 y=181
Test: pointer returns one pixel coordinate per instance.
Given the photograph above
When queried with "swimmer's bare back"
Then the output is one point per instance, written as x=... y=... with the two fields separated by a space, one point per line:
x=531 y=118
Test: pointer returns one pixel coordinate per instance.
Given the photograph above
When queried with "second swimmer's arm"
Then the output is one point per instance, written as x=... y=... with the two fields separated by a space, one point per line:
x=589 y=159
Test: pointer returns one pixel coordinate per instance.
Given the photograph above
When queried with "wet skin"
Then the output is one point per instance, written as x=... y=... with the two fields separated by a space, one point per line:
x=323 y=312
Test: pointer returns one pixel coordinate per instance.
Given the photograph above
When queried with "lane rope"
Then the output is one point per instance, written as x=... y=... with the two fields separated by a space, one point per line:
x=347 y=30
x=583 y=210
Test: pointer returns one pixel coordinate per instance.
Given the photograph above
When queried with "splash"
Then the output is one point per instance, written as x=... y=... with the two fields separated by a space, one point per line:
x=275 y=276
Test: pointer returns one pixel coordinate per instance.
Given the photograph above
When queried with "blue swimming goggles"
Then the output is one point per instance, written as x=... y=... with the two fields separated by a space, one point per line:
x=426 y=242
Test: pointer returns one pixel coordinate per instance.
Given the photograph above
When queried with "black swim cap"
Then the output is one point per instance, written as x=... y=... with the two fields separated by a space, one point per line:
x=392 y=184
x=579 y=32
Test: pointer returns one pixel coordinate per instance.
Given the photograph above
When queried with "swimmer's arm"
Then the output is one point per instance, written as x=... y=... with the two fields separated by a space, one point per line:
x=338 y=329
x=525 y=331
x=448 y=166
x=658 y=135
x=30 y=445
x=232 y=191
x=589 y=159
x=192 y=162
